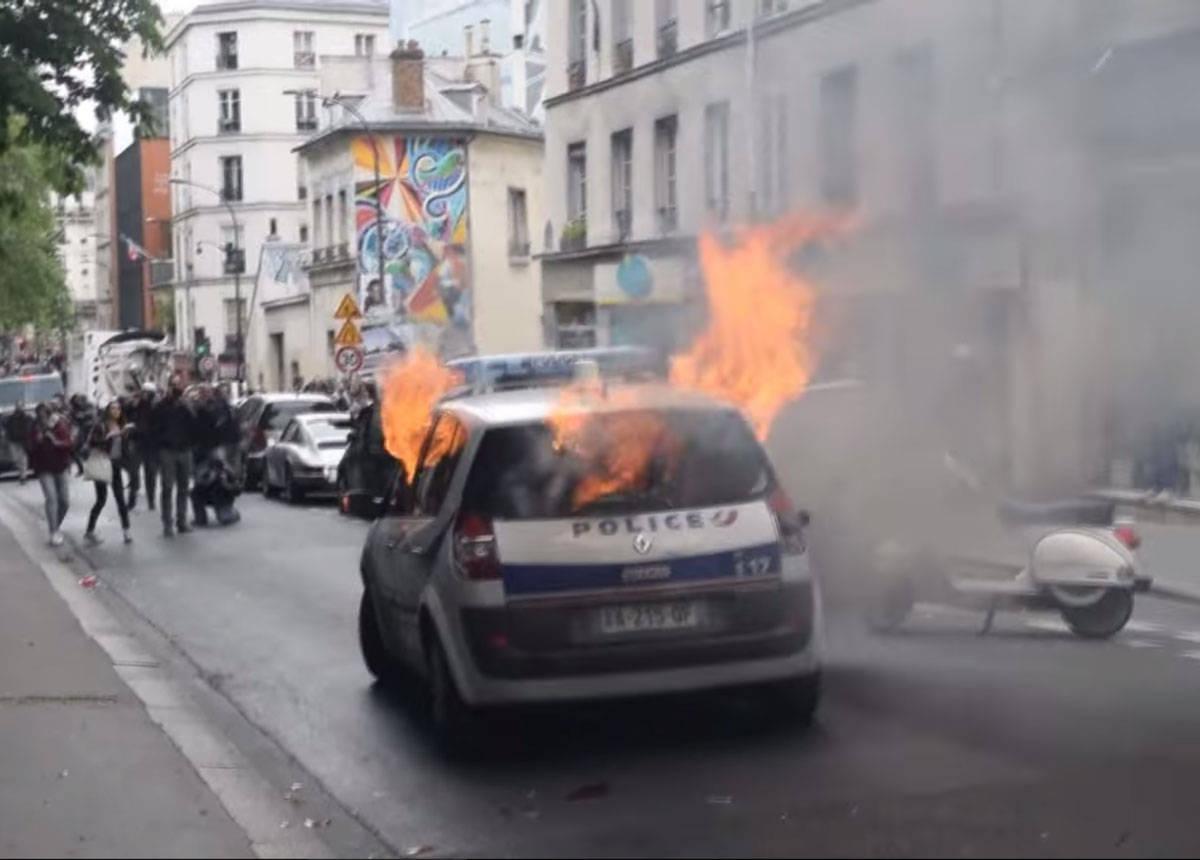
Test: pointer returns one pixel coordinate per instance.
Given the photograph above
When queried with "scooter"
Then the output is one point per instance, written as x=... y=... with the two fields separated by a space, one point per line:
x=1079 y=562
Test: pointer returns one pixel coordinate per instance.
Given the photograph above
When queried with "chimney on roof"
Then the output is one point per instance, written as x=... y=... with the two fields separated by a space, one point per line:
x=469 y=37
x=408 y=77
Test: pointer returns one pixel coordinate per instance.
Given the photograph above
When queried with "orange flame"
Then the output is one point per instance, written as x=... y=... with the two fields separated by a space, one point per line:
x=755 y=352
x=411 y=388
x=617 y=449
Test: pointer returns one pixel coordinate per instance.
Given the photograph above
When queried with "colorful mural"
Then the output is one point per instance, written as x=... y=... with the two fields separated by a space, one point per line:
x=423 y=191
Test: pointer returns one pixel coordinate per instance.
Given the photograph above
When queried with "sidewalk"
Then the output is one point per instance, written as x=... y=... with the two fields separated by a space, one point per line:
x=83 y=770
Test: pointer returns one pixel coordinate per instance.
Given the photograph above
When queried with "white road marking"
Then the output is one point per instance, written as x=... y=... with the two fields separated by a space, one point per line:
x=1144 y=627
x=1191 y=655
x=1056 y=625
x=1140 y=643
x=1187 y=636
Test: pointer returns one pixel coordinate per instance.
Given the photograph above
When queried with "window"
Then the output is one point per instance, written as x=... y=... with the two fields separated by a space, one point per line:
x=304 y=233
x=773 y=179
x=771 y=7
x=306 y=110
x=231 y=318
x=318 y=238
x=914 y=118
x=518 y=224
x=302 y=192
x=716 y=159
x=577 y=45
x=274 y=231
x=231 y=177
x=364 y=45
x=577 y=182
x=227 y=52
x=329 y=219
x=230 y=111
x=575 y=325
x=716 y=21
x=666 y=23
x=342 y=217
x=666 y=200
x=838 y=103
x=234 y=249
x=622 y=183
x=622 y=37
x=443 y=450
x=302 y=49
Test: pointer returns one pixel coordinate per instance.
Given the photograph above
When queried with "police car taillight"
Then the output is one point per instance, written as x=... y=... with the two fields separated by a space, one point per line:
x=1128 y=535
x=789 y=522
x=475 y=547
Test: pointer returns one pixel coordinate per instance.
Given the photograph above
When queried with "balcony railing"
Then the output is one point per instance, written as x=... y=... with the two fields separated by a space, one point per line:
x=308 y=123
x=574 y=235
x=227 y=60
x=229 y=126
x=577 y=75
x=518 y=249
x=623 y=56
x=305 y=59
x=623 y=220
x=343 y=250
x=668 y=219
x=668 y=40
x=162 y=272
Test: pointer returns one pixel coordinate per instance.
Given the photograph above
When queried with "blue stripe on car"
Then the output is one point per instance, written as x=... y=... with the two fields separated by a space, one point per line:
x=552 y=578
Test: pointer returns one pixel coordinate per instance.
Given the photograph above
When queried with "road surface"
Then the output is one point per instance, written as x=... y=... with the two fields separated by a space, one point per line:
x=935 y=741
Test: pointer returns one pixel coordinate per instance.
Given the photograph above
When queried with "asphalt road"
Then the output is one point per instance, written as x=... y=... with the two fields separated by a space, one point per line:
x=935 y=741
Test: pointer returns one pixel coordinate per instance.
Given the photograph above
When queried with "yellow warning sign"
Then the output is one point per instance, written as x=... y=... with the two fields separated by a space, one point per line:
x=349 y=335
x=347 y=309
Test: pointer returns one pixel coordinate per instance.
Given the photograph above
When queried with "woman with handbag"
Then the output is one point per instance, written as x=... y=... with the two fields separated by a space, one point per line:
x=104 y=465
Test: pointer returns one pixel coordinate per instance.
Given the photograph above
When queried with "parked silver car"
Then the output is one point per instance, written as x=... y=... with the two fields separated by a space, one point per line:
x=304 y=462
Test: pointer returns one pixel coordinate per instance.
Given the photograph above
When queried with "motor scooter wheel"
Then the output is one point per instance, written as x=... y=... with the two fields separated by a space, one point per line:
x=1102 y=619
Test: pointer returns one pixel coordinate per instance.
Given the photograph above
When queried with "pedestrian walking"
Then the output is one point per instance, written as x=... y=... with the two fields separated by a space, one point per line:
x=105 y=465
x=174 y=428
x=50 y=453
x=16 y=431
x=141 y=417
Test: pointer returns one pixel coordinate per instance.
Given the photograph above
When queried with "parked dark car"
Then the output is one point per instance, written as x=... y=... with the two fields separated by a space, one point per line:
x=367 y=470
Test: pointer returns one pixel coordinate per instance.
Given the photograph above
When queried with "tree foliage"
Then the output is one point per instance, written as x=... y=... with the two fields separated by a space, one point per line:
x=57 y=56
x=32 y=284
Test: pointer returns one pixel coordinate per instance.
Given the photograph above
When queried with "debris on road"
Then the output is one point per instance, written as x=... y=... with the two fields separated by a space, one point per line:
x=720 y=800
x=589 y=791
x=418 y=850
x=88 y=581
x=292 y=795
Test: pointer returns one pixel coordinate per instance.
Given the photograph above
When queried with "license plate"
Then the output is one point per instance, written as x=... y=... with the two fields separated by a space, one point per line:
x=646 y=617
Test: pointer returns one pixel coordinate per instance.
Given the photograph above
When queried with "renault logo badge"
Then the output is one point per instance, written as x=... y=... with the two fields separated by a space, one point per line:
x=642 y=542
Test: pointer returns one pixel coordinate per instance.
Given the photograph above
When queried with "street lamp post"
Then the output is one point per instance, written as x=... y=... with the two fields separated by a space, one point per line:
x=337 y=99
x=237 y=275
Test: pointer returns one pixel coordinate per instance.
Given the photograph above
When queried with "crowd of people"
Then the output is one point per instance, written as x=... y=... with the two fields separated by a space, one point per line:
x=187 y=444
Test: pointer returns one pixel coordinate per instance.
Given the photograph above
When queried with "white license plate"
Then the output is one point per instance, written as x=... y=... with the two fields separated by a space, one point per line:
x=644 y=617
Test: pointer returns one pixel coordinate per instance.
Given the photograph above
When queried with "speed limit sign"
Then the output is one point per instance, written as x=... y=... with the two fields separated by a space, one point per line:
x=349 y=359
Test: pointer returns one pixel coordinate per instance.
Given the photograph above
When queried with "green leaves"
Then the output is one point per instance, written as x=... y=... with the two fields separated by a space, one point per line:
x=59 y=55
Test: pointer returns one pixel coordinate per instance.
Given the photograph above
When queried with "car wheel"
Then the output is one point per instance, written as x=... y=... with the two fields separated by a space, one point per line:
x=268 y=489
x=1103 y=619
x=381 y=664
x=798 y=698
x=454 y=722
x=292 y=494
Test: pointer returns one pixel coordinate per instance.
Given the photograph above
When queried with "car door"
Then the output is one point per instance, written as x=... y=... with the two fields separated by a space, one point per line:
x=408 y=542
x=277 y=457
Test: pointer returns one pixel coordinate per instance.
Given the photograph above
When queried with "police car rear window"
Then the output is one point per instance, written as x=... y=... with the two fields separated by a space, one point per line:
x=521 y=473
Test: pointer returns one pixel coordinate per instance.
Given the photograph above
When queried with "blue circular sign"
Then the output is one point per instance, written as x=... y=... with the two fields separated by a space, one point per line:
x=634 y=277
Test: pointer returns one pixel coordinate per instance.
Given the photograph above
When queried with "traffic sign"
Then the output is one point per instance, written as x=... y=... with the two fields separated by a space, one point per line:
x=349 y=335
x=349 y=359
x=208 y=364
x=347 y=309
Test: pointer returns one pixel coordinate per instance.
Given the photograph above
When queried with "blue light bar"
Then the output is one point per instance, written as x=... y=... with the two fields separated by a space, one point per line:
x=529 y=369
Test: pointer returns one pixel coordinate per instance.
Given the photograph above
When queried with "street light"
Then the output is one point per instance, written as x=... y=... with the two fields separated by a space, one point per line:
x=237 y=275
x=338 y=99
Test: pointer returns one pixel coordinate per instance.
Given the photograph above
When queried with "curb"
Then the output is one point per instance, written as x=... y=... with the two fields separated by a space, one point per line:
x=253 y=804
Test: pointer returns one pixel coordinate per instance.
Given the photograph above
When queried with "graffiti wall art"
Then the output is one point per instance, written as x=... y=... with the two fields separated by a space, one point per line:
x=422 y=190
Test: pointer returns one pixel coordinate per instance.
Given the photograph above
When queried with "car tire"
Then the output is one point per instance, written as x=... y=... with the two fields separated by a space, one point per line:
x=268 y=489
x=454 y=722
x=1103 y=619
x=379 y=662
x=797 y=698
x=292 y=494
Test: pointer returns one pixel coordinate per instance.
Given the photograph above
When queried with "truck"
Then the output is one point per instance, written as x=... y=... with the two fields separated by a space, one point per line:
x=105 y=365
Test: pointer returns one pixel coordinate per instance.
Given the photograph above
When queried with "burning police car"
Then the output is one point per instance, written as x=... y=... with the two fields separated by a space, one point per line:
x=566 y=543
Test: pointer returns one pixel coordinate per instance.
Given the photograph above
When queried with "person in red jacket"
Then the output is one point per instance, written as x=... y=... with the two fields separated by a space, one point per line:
x=50 y=458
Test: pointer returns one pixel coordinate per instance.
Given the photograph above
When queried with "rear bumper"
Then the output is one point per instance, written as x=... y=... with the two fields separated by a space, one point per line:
x=533 y=667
